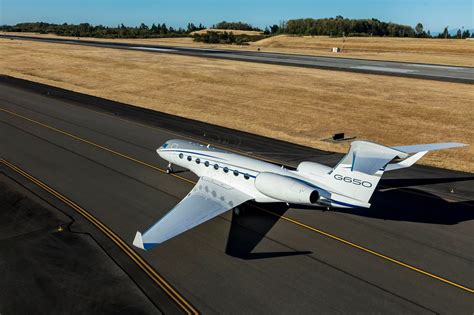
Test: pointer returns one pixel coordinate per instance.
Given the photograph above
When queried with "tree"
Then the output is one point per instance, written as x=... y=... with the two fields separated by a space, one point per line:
x=164 y=29
x=419 y=29
x=445 y=33
x=458 y=34
x=274 y=29
x=191 y=27
x=466 y=34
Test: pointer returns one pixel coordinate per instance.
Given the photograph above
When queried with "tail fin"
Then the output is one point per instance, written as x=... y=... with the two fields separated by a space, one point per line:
x=360 y=170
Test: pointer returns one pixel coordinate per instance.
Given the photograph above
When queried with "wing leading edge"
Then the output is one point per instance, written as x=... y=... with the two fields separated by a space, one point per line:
x=208 y=199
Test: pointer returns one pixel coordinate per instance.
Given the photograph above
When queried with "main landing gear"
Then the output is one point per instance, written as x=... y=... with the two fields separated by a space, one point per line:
x=169 y=169
x=237 y=211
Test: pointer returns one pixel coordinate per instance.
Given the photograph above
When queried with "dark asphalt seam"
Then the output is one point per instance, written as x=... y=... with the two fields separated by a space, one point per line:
x=19 y=236
x=400 y=236
x=372 y=284
x=69 y=227
x=91 y=160
x=80 y=126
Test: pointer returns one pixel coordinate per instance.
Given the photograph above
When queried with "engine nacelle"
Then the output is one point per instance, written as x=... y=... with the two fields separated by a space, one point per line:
x=286 y=189
x=311 y=168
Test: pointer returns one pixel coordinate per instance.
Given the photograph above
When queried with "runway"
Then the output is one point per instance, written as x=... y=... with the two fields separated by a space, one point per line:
x=100 y=154
x=403 y=69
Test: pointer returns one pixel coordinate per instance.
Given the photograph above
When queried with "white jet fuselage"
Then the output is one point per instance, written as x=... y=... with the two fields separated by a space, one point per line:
x=246 y=174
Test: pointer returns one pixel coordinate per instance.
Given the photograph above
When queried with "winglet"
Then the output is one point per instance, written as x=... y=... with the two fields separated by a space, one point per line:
x=137 y=241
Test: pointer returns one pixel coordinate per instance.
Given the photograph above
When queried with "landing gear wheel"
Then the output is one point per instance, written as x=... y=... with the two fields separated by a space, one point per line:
x=169 y=169
x=237 y=211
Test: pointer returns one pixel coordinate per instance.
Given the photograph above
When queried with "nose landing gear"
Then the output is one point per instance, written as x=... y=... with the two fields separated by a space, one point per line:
x=169 y=169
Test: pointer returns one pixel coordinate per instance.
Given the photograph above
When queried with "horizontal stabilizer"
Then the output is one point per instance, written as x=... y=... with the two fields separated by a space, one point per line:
x=138 y=241
x=428 y=147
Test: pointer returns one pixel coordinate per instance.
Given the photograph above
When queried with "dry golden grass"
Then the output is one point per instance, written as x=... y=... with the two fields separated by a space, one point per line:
x=294 y=104
x=436 y=51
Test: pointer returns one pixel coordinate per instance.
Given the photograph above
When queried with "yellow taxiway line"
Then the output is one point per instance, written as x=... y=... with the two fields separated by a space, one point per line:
x=157 y=278
x=288 y=219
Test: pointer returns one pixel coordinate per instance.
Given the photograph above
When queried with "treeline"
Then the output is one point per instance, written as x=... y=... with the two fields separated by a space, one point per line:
x=212 y=37
x=235 y=26
x=100 y=31
x=459 y=34
x=340 y=26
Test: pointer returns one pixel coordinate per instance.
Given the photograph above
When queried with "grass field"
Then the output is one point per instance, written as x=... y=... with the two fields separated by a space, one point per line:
x=435 y=51
x=293 y=104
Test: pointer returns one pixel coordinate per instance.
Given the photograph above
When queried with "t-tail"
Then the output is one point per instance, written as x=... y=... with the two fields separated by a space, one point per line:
x=354 y=179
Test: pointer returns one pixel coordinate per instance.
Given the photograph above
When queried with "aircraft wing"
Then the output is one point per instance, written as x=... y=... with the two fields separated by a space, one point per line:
x=208 y=199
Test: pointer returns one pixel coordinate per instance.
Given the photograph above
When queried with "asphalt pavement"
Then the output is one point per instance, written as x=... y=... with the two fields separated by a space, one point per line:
x=412 y=252
x=403 y=69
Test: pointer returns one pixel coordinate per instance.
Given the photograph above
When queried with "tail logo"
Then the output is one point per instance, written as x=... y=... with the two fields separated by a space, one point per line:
x=353 y=181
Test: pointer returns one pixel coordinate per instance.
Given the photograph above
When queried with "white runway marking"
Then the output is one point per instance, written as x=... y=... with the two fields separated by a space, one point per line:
x=152 y=48
x=438 y=67
x=384 y=69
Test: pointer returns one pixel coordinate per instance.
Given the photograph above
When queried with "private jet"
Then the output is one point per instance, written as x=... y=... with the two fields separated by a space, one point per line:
x=227 y=180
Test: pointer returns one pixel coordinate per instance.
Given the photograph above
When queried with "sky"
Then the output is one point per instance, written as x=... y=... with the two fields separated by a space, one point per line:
x=434 y=14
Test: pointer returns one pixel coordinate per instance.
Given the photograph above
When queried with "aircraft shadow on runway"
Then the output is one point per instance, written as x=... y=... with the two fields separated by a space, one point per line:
x=400 y=200
x=396 y=199
x=248 y=229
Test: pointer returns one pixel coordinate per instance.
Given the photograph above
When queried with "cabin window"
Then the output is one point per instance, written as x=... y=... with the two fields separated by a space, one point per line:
x=181 y=155
x=216 y=166
x=206 y=163
x=226 y=169
x=236 y=173
x=246 y=176
x=198 y=161
x=190 y=158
